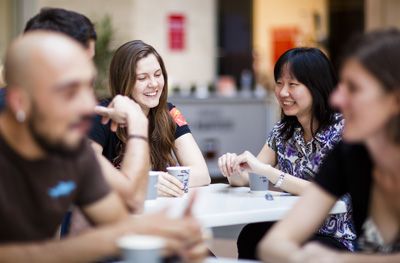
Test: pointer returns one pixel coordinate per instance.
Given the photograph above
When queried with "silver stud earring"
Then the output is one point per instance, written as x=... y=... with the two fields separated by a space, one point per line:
x=20 y=116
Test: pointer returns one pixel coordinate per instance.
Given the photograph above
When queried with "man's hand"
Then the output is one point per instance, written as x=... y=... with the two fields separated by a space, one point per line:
x=183 y=235
x=124 y=111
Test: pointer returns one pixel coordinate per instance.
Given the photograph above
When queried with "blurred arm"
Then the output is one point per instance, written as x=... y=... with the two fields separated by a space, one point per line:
x=85 y=247
x=128 y=182
x=131 y=180
x=183 y=236
x=286 y=237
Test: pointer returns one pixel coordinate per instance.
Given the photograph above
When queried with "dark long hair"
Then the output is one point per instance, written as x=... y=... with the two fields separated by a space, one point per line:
x=378 y=52
x=313 y=69
x=161 y=124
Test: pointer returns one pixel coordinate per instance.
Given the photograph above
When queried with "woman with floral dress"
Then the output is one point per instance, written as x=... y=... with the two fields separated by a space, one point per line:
x=364 y=164
x=297 y=145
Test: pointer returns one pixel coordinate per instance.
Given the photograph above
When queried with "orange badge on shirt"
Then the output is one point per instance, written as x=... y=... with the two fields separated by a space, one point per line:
x=176 y=114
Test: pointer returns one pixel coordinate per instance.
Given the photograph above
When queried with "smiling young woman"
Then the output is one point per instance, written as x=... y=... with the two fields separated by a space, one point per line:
x=298 y=144
x=138 y=72
x=365 y=165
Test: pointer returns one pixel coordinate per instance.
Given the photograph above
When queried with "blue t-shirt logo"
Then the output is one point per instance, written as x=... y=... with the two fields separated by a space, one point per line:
x=61 y=189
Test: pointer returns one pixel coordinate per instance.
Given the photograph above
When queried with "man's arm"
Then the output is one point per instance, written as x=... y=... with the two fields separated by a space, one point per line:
x=183 y=235
x=85 y=247
x=113 y=221
x=288 y=235
x=131 y=180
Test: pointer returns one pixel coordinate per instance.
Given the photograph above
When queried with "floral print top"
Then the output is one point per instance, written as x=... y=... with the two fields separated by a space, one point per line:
x=371 y=240
x=301 y=159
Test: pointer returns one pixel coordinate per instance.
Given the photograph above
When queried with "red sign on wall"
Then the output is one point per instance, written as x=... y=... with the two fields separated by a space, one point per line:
x=176 y=24
x=283 y=39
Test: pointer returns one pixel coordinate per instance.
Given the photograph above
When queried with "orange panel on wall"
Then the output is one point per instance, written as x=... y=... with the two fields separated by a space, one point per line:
x=283 y=39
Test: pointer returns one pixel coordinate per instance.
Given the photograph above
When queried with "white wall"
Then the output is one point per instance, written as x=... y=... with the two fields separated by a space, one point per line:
x=4 y=34
x=269 y=14
x=382 y=14
x=196 y=63
x=147 y=20
x=4 y=26
x=121 y=12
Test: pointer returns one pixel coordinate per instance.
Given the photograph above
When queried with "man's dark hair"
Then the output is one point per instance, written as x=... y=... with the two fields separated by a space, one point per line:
x=68 y=22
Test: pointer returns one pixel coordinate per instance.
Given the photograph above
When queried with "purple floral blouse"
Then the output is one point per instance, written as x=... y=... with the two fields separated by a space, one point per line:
x=301 y=159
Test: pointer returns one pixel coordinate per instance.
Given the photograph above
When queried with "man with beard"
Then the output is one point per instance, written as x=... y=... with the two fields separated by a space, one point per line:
x=46 y=165
x=130 y=182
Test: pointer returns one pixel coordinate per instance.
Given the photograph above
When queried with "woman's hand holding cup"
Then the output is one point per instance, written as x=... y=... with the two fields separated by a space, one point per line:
x=169 y=186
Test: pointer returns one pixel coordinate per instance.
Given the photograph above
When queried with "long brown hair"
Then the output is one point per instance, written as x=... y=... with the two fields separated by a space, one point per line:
x=162 y=126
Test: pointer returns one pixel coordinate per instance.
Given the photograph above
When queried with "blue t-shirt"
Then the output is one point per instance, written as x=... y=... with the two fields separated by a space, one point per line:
x=103 y=135
x=2 y=98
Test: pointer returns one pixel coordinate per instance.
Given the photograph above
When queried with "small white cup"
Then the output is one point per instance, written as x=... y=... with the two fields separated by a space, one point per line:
x=152 y=185
x=258 y=183
x=141 y=248
x=182 y=173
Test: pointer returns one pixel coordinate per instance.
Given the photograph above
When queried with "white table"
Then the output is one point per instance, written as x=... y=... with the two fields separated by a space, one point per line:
x=223 y=260
x=229 y=260
x=227 y=209
x=222 y=205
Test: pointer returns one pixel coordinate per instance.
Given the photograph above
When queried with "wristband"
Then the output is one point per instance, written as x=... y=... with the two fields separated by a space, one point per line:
x=134 y=136
x=280 y=180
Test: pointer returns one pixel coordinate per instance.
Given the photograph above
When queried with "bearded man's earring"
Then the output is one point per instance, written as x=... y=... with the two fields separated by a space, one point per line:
x=20 y=116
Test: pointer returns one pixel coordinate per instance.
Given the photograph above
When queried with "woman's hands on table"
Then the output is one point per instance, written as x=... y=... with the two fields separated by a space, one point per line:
x=169 y=186
x=248 y=162
x=225 y=164
x=232 y=166
x=231 y=163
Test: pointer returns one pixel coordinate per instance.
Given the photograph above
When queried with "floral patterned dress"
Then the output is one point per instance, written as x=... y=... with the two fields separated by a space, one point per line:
x=301 y=159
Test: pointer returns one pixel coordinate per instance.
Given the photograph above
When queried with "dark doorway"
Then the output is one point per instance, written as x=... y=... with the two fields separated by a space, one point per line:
x=346 y=18
x=235 y=34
